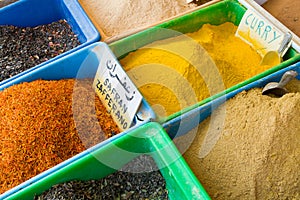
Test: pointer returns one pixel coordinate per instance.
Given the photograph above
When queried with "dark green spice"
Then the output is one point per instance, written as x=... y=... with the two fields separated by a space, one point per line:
x=146 y=183
x=24 y=48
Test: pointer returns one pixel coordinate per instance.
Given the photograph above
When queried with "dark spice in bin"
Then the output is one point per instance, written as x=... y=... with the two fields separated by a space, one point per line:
x=139 y=179
x=38 y=130
x=22 y=48
x=200 y=2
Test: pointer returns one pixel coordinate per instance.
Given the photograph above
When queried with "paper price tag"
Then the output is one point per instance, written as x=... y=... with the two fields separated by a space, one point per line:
x=116 y=90
x=262 y=34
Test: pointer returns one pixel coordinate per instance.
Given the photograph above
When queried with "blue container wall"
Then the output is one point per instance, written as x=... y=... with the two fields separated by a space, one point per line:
x=79 y=23
x=80 y=64
x=186 y=122
x=67 y=67
x=31 y=13
x=63 y=68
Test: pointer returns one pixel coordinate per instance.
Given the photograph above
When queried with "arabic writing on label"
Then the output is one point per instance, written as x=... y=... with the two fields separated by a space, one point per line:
x=116 y=91
x=126 y=87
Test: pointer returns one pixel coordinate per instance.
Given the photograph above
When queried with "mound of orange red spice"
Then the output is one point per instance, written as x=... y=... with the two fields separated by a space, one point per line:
x=43 y=123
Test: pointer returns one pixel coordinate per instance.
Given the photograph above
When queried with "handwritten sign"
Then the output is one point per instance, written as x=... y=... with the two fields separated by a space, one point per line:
x=116 y=90
x=262 y=34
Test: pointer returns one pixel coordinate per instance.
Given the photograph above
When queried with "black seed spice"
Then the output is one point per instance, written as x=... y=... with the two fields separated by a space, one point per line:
x=23 y=48
x=139 y=179
x=200 y=2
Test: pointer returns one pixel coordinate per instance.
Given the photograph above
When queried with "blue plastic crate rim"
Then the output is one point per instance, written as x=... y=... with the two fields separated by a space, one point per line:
x=181 y=125
x=80 y=64
x=31 y=13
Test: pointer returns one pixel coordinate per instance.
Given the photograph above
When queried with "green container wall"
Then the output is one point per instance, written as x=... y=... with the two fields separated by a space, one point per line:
x=216 y=14
x=149 y=139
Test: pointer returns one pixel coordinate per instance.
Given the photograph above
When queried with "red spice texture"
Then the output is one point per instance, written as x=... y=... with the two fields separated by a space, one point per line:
x=43 y=123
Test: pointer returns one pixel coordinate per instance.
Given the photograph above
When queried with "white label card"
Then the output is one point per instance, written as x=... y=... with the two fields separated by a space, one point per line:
x=116 y=91
x=260 y=33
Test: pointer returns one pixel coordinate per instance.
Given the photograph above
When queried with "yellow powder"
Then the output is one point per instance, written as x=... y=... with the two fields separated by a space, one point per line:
x=180 y=71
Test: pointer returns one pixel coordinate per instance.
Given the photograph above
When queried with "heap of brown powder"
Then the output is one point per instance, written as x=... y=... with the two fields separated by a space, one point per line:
x=257 y=154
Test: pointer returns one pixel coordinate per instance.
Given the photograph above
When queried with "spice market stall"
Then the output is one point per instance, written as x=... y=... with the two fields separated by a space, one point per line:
x=195 y=71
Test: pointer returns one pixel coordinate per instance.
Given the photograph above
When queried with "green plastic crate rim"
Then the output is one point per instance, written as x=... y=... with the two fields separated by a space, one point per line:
x=215 y=14
x=149 y=139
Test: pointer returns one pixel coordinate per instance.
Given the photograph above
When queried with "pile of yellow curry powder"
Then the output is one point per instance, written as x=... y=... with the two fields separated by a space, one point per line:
x=175 y=73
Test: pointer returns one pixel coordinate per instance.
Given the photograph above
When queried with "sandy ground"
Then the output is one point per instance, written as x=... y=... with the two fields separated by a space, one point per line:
x=287 y=12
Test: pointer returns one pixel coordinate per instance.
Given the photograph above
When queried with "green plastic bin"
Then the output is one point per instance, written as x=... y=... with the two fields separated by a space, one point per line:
x=150 y=139
x=215 y=14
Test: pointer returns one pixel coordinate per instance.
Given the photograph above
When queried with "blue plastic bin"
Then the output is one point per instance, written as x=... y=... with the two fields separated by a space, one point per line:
x=80 y=64
x=31 y=13
x=186 y=122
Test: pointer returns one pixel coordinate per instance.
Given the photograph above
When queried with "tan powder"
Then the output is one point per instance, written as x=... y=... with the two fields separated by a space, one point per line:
x=117 y=17
x=257 y=155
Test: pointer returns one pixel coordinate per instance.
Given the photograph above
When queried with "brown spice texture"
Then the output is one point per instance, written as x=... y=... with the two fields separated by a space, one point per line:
x=257 y=154
x=287 y=12
x=116 y=17
x=42 y=124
